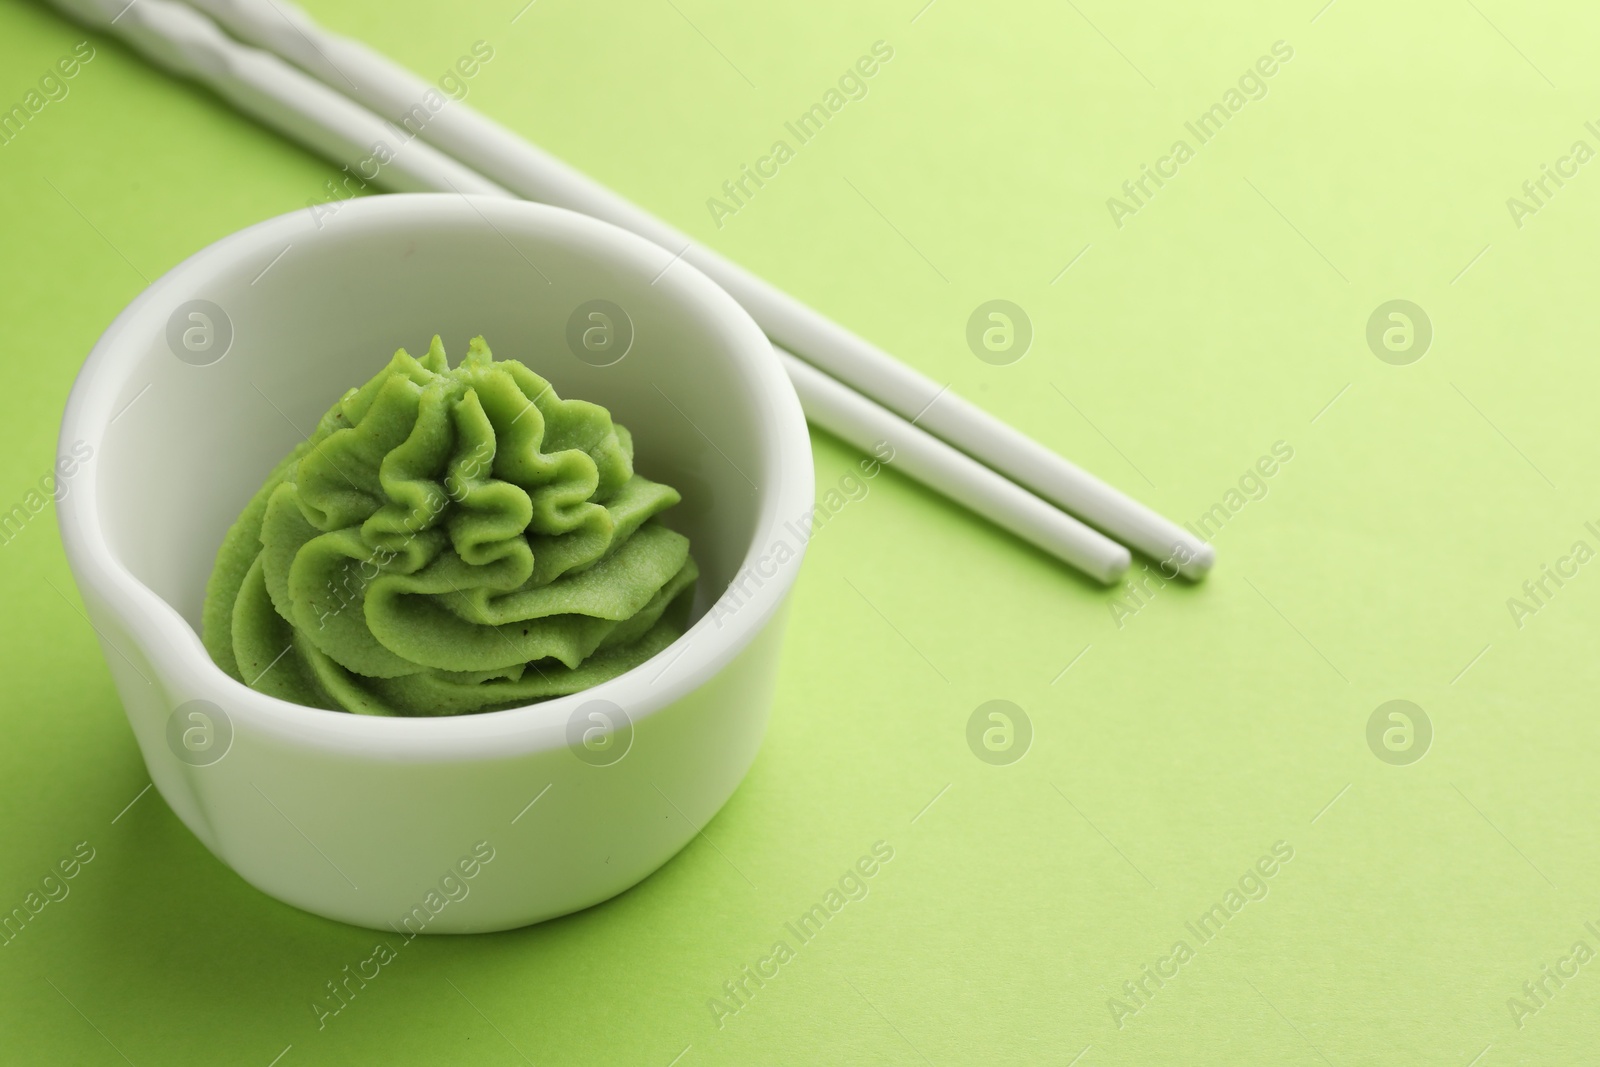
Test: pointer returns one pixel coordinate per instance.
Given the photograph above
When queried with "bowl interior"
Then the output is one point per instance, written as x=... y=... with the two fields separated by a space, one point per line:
x=315 y=308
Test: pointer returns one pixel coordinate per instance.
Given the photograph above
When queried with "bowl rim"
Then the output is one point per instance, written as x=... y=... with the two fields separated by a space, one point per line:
x=175 y=650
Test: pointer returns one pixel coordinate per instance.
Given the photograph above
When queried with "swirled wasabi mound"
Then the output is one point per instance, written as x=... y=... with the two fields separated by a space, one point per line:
x=448 y=541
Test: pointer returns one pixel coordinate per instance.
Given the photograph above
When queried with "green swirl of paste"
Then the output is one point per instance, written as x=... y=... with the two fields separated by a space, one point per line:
x=449 y=541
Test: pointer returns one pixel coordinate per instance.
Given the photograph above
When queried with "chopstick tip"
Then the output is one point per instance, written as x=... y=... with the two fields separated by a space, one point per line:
x=1201 y=560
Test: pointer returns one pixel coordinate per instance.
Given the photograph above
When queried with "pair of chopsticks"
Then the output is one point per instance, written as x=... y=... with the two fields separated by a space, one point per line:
x=338 y=98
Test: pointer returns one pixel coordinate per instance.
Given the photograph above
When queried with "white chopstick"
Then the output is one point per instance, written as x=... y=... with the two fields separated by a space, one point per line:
x=505 y=157
x=265 y=87
x=852 y=417
x=187 y=43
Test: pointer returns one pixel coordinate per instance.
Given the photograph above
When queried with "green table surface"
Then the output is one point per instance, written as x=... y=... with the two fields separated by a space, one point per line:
x=1434 y=911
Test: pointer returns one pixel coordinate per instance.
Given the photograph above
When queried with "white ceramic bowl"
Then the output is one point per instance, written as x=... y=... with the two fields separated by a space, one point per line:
x=426 y=824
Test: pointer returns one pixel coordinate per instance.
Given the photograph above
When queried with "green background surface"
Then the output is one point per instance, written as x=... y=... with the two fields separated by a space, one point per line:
x=1168 y=753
